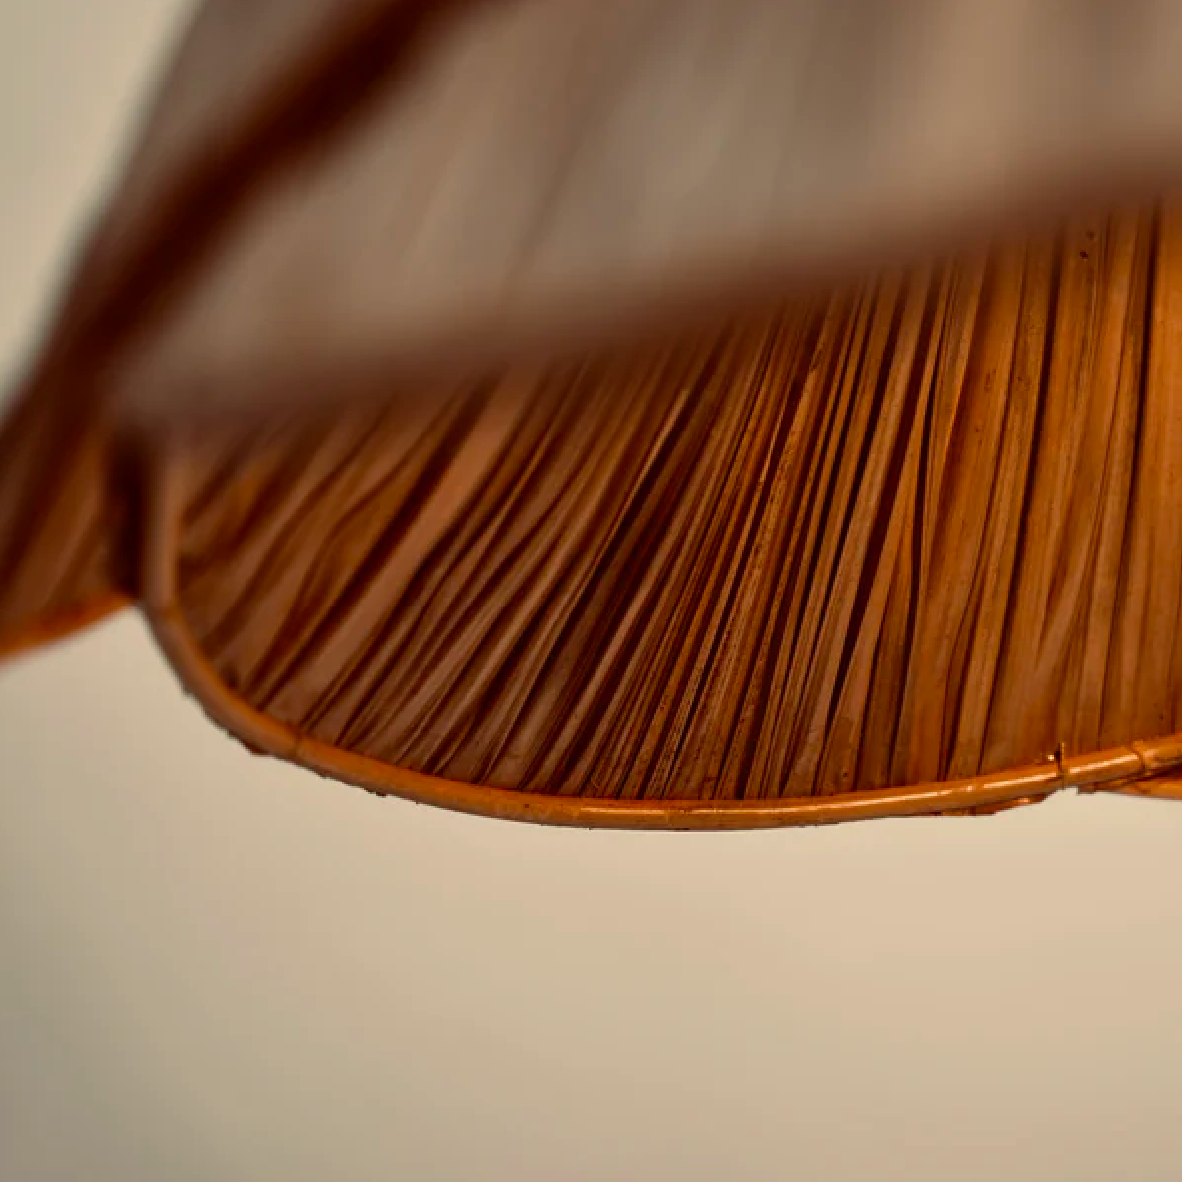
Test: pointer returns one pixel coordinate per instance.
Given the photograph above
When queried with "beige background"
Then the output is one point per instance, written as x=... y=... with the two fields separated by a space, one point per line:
x=215 y=967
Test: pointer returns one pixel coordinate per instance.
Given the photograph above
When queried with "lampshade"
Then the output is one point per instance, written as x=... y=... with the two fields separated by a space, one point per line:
x=606 y=414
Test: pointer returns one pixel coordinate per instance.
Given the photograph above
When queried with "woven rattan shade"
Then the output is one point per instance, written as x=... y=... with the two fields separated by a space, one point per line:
x=905 y=540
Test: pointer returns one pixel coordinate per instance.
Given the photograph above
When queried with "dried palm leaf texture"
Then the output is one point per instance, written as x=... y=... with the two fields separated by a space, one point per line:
x=605 y=413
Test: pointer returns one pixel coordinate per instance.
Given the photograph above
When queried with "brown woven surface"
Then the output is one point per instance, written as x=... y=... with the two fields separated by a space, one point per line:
x=925 y=531
x=801 y=558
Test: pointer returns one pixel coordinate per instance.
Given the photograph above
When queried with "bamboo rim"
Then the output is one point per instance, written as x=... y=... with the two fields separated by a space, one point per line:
x=1148 y=768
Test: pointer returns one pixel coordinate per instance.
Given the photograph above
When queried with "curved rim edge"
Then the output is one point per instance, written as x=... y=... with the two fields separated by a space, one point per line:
x=61 y=625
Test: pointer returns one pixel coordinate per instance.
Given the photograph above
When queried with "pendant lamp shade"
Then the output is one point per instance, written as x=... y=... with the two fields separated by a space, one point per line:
x=625 y=414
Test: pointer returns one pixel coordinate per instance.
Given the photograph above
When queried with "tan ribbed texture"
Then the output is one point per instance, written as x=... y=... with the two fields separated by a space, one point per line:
x=818 y=550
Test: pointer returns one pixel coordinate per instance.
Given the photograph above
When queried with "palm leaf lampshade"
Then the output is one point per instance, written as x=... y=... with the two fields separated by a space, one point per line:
x=650 y=413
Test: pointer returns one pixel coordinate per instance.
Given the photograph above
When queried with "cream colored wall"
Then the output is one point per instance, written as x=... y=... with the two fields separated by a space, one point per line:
x=216 y=967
